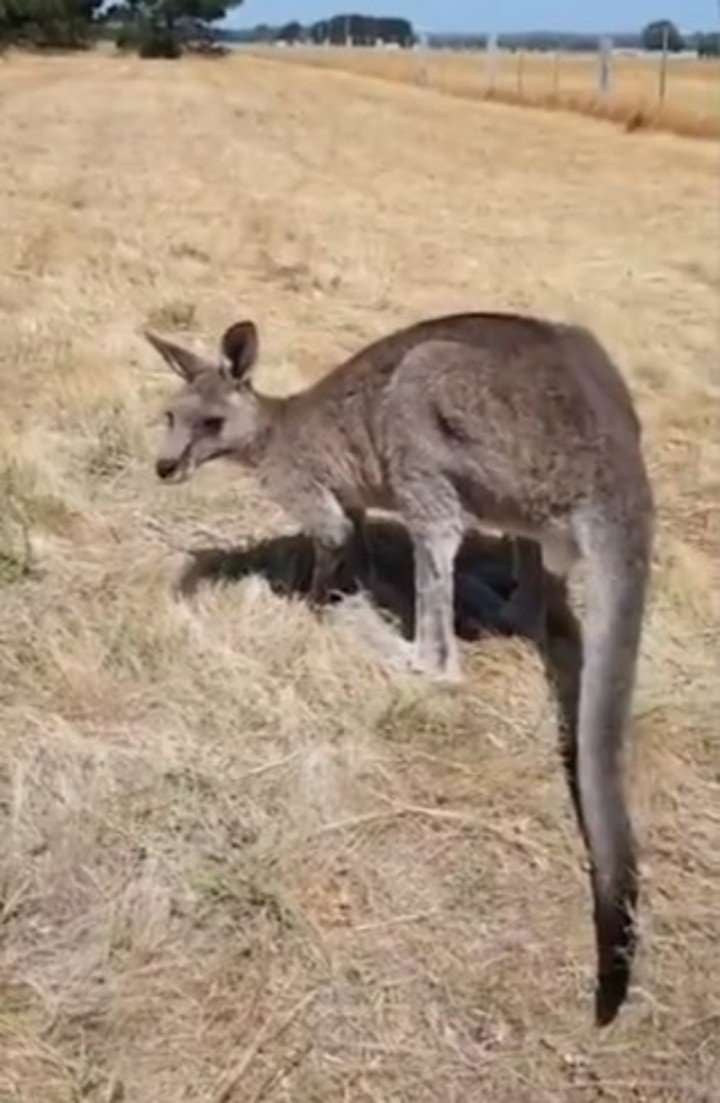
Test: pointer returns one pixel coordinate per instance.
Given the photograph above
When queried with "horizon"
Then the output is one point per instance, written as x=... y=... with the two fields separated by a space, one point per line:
x=463 y=17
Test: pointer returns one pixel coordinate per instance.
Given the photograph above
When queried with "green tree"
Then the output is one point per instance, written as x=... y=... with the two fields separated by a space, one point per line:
x=63 y=24
x=654 y=34
x=291 y=32
x=708 y=45
x=161 y=28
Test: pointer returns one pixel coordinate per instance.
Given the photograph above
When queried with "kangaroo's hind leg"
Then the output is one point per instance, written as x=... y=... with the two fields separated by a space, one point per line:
x=526 y=611
x=432 y=513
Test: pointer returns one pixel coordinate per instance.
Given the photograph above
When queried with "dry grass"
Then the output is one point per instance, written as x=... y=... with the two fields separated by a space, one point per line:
x=567 y=82
x=240 y=860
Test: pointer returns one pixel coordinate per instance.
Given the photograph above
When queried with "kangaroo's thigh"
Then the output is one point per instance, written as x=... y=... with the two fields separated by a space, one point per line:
x=429 y=506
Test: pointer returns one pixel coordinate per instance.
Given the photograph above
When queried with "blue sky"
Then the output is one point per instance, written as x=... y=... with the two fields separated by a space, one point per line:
x=502 y=15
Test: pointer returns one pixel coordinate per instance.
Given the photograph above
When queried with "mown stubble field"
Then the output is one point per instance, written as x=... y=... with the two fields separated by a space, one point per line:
x=241 y=860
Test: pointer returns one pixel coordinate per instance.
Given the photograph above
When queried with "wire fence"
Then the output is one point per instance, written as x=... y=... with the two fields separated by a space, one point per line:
x=679 y=93
x=648 y=80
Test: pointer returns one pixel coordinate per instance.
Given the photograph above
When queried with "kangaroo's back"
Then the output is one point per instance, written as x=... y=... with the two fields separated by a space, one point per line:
x=516 y=347
x=537 y=405
x=376 y=362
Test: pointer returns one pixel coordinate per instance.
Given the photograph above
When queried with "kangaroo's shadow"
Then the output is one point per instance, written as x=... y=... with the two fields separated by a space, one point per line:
x=484 y=584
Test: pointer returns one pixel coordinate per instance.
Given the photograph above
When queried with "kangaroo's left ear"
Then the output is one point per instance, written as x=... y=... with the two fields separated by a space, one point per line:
x=188 y=365
x=240 y=346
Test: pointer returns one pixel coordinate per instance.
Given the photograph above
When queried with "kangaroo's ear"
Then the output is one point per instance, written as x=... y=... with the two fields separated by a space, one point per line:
x=240 y=346
x=183 y=362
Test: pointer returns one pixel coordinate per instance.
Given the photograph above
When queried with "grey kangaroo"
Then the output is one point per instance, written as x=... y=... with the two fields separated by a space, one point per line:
x=516 y=423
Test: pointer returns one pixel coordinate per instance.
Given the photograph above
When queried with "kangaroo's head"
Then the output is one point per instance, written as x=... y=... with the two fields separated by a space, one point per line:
x=216 y=413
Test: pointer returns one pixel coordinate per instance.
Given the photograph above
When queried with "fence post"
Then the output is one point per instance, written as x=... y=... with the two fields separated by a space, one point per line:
x=423 y=74
x=556 y=74
x=662 y=79
x=520 y=66
x=604 y=67
x=490 y=62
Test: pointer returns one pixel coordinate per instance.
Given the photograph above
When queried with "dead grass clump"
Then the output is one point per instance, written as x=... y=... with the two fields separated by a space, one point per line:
x=27 y=503
x=637 y=120
x=15 y=550
x=113 y=441
x=176 y=314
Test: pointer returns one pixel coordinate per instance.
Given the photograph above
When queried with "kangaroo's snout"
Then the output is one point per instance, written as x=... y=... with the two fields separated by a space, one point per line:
x=165 y=468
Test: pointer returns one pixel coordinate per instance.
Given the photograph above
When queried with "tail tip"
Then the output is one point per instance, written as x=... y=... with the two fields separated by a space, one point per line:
x=610 y=995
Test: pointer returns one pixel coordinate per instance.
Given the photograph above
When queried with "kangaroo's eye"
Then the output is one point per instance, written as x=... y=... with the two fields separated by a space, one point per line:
x=169 y=418
x=212 y=425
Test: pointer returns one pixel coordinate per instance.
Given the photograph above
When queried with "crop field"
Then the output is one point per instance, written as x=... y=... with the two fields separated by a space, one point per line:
x=243 y=858
x=689 y=103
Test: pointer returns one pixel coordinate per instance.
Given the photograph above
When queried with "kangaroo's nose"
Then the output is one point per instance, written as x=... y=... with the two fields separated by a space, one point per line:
x=165 y=468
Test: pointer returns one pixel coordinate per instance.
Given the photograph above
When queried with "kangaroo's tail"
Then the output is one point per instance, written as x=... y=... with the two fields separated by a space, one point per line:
x=617 y=557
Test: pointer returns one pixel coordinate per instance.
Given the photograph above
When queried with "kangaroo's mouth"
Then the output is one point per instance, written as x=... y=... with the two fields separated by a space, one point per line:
x=175 y=471
x=180 y=470
x=221 y=454
x=181 y=474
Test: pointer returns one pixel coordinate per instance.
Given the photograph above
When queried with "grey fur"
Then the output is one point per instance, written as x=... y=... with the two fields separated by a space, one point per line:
x=516 y=423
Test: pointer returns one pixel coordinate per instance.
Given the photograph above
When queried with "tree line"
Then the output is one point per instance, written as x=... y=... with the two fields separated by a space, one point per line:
x=355 y=30
x=654 y=36
x=342 y=30
x=165 y=28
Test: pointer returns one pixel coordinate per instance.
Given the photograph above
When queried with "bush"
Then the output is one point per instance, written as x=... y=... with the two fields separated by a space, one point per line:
x=159 y=42
x=148 y=41
x=127 y=38
x=165 y=28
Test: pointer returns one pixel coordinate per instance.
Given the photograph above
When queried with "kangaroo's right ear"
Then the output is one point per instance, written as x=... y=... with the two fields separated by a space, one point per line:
x=183 y=362
x=240 y=346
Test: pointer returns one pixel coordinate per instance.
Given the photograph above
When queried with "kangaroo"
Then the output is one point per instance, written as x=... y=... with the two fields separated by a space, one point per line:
x=517 y=423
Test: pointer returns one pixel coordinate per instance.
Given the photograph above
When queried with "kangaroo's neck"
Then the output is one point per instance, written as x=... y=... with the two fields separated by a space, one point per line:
x=268 y=413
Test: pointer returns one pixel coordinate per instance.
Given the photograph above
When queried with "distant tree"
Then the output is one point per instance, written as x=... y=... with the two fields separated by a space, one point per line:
x=357 y=30
x=58 y=24
x=262 y=33
x=708 y=45
x=362 y=30
x=163 y=28
x=319 y=32
x=291 y=33
x=654 y=33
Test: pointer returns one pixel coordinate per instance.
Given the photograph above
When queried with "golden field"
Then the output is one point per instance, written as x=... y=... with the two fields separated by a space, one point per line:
x=564 y=81
x=240 y=858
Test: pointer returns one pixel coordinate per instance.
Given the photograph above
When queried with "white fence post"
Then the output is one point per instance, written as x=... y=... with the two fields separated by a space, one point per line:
x=423 y=72
x=662 y=79
x=491 y=61
x=604 y=65
x=520 y=73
